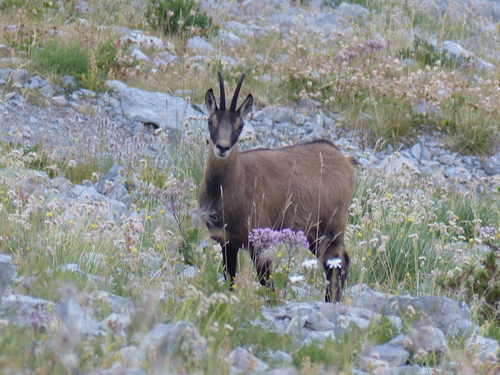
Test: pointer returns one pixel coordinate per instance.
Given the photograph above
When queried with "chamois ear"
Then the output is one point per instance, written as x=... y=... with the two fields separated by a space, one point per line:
x=210 y=101
x=246 y=106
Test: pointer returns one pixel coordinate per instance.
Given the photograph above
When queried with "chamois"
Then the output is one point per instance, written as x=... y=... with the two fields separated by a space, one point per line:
x=306 y=187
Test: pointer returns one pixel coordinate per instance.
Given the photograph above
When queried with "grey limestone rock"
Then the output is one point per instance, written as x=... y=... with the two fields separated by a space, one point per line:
x=77 y=320
x=278 y=114
x=7 y=272
x=492 y=165
x=352 y=11
x=242 y=362
x=392 y=352
x=156 y=108
x=169 y=341
x=20 y=76
x=197 y=43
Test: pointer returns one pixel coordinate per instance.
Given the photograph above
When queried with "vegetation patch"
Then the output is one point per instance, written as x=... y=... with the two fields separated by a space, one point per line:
x=178 y=16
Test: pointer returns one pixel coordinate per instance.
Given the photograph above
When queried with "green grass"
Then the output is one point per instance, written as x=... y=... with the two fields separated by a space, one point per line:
x=62 y=59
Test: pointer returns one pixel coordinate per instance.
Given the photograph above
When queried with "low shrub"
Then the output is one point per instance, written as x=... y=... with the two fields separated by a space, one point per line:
x=178 y=16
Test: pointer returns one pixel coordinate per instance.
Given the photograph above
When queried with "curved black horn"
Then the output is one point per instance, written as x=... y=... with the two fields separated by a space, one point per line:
x=236 y=93
x=222 y=94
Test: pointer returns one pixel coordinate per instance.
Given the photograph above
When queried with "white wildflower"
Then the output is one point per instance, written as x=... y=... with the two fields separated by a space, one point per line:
x=310 y=264
x=296 y=279
x=334 y=263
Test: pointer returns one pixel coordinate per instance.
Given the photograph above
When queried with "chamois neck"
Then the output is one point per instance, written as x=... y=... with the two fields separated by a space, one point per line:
x=222 y=172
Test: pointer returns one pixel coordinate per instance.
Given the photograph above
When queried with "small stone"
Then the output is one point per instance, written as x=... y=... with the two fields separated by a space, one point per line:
x=138 y=37
x=258 y=116
x=116 y=170
x=309 y=106
x=10 y=95
x=88 y=93
x=227 y=37
x=458 y=173
x=278 y=114
x=267 y=122
x=60 y=101
x=482 y=347
x=375 y=365
x=394 y=354
x=34 y=83
x=280 y=356
x=168 y=57
x=7 y=272
x=196 y=43
x=20 y=76
x=492 y=165
x=416 y=151
x=427 y=338
x=114 y=103
x=69 y=81
x=242 y=362
x=168 y=340
x=425 y=154
x=116 y=85
x=75 y=318
x=139 y=55
x=298 y=118
x=46 y=90
x=5 y=73
x=447 y=159
x=352 y=11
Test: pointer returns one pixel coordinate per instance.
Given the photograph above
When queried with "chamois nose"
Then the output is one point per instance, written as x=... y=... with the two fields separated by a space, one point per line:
x=223 y=149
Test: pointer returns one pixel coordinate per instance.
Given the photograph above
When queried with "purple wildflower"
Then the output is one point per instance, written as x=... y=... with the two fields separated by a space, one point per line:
x=346 y=56
x=291 y=238
x=35 y=320
x=173 y=194
x=374 y=45
x=469 y=63
x=486 y=233
x=266 y=237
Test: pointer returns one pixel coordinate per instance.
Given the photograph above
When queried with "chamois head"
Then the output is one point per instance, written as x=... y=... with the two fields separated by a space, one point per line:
x=225 y=125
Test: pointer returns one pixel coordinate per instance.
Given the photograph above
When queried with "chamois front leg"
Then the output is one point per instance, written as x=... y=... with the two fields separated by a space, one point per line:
x=229 y=259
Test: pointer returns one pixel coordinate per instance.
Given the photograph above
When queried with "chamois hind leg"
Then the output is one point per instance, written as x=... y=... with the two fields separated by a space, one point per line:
x=263 y=267
x=335 y=260
x=229 y=259
x=336 y=277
